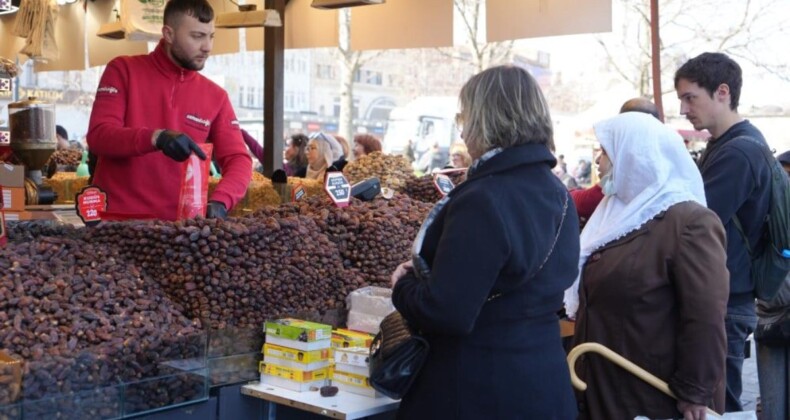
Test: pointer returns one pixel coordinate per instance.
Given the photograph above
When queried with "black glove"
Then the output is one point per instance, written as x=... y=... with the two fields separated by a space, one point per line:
x=216 y=210
x=177 y=146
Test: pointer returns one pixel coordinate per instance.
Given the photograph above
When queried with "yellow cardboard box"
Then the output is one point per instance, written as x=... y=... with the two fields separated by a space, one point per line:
x=293 y=374
x=296 y=355
x=342 y=338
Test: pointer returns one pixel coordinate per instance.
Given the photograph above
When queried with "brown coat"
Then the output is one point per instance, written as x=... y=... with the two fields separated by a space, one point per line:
x=658 y=297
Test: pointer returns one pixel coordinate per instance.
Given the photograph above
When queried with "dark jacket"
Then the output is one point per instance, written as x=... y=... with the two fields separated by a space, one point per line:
x=657 y=297
x=503 y=358
x=738 y=181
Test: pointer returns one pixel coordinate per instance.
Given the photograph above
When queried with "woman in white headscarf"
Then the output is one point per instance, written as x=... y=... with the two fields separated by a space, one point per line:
x=653 y=280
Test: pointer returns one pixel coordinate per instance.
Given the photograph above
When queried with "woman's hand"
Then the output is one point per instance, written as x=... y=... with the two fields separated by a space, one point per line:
x=692 y=411
x=400 y=272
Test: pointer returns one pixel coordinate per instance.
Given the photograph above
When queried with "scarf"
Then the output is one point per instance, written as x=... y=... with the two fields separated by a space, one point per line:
x=651 y=172
x=421 y=267
x=316 y=173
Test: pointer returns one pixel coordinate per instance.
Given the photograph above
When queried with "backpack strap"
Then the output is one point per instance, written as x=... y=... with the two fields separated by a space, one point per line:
x=768 y=160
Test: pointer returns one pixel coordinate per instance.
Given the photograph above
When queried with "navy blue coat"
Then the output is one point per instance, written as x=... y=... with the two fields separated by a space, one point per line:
x=738 y=182
x=502 y=358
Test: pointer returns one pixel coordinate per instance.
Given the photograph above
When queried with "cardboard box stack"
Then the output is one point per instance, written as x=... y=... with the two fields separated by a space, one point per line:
x=351 y=356
x=296 y=355
x=351 y=371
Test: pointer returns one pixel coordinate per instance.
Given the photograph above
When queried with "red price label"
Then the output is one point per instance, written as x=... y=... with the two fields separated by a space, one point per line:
x=338 y=188
x=91 y=202
x=3 y=238
x=298 y=193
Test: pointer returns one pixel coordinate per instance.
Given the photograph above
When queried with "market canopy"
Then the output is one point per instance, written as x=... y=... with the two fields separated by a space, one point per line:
x=395 y=24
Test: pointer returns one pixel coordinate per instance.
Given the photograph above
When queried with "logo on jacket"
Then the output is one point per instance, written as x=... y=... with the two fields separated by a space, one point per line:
x=107 y=89
x=195 y=119
x=235 y=123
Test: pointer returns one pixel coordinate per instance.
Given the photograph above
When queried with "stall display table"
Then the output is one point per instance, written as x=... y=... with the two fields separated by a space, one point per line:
x=344 y=405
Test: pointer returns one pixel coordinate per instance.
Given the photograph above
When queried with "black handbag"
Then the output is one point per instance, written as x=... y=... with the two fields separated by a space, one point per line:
x=397 y=354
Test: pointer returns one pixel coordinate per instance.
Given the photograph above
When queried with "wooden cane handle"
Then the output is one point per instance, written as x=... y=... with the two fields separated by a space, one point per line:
x=619 y=361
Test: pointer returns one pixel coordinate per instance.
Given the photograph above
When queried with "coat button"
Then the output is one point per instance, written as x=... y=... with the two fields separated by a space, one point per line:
x=596 y=256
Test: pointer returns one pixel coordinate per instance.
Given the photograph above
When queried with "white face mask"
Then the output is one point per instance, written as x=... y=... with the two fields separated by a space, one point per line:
x=607 y=184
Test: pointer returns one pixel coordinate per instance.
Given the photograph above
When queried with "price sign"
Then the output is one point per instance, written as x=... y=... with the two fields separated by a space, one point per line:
x=90 y=203
x=443 y=183
x=298 y=193
x=338 y=188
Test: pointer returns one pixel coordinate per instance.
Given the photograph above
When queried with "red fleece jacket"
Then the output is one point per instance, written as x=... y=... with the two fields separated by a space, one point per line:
x=140 y=94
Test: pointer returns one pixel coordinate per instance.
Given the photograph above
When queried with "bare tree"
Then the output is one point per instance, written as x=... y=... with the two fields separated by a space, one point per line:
x=350 y=62
x=476 y=51
x=687 y=28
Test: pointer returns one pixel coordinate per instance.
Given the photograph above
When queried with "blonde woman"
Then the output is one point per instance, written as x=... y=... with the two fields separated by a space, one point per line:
x=319 y=157
x=490 y=265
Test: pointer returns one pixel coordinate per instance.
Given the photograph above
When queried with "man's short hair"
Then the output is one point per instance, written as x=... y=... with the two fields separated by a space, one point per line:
x=199 y=9
x=709 y=71
x=59 y=130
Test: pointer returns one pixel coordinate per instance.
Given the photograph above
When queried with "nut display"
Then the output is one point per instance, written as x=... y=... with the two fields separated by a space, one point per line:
x=88 y=308
x=66 y=157
x=393 y=171
x=66 y=185
x=423 y=188
x=73 y=311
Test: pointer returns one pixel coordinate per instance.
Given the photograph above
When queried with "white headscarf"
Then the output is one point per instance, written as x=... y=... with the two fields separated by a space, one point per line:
x=651 y=171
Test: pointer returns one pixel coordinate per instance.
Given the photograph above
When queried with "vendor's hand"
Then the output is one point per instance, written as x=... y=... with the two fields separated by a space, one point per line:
x=692 y=411
x=178 y=146
x=401 y=271
x=216 y=210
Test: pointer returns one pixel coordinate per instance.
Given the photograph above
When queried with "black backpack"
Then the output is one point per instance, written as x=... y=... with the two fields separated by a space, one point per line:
x=771 y=259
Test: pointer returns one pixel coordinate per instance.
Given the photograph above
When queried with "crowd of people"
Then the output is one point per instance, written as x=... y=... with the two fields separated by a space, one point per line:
x=658 y=273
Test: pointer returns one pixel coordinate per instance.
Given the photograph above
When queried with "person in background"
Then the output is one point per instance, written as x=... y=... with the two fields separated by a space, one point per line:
x=587 y=199
x=255 y=148
x=561 y=168
x=365 y=144
x=459 y=156
x=319 y=158
x=491 y=262
x=773 y=358
x=643 y=105
x=295 y=154
x=652 y=284
x=737 y=186
x=151 y=112
x=63 y=137
x=342 y=161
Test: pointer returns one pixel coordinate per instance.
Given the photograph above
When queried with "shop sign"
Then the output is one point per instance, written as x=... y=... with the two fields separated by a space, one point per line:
x=338 y=188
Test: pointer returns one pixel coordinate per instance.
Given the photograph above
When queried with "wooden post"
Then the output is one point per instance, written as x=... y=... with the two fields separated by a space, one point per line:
x=655 y=41
x=273 y=57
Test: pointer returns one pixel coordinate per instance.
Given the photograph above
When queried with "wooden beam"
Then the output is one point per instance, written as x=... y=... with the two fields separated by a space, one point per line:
x=273 y=56
x=655 y=46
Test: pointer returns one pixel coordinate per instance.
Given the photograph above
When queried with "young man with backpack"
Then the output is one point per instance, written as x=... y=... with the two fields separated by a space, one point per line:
x=737 y=180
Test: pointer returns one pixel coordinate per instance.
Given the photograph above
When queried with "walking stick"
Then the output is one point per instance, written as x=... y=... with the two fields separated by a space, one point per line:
x=623 y=363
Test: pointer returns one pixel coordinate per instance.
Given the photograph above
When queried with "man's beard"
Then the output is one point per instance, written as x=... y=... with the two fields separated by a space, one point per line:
x=185 y=62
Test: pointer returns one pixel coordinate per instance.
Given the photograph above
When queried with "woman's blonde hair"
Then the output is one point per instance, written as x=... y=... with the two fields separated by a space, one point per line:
x=324 y=148
x=503 y=106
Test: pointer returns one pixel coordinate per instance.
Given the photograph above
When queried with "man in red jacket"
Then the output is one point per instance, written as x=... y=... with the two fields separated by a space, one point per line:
x=152 y=111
